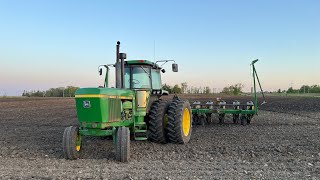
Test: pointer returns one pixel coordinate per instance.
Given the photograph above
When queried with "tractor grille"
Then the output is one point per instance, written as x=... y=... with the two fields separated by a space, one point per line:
x=114 y=110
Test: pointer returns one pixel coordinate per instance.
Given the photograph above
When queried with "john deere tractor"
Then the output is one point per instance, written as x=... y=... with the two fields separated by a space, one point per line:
x=132 y=110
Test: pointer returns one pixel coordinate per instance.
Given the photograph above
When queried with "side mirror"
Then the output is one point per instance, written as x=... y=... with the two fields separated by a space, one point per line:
x=100 y=71
x=175 y=67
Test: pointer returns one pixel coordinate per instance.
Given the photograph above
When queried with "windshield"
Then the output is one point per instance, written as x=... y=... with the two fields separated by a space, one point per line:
x=140 y=77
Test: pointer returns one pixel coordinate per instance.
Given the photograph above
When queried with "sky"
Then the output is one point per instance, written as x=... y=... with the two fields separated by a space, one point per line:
x=46 y=44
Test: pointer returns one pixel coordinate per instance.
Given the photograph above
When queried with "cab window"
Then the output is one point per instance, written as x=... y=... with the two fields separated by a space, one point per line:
x=127 y=77
x=156 y=78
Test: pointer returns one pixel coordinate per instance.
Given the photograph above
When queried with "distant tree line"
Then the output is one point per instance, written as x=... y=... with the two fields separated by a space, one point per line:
x=176 y=89
x=303 y=89
x=68 y=91
x=185 y=89
x=233 y=89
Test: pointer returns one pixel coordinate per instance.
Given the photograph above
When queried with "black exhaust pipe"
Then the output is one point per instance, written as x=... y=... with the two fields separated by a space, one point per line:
x=118 y=66
x=122 y=56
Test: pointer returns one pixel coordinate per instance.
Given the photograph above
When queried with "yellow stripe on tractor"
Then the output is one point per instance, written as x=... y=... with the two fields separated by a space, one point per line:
x=101 y=96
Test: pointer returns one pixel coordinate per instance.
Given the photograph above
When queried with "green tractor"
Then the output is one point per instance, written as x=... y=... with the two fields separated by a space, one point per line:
x=132 y=110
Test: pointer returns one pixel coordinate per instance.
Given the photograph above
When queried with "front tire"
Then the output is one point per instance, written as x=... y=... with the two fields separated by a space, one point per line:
x=123 y=144
x=179 y=121
x=71 y=143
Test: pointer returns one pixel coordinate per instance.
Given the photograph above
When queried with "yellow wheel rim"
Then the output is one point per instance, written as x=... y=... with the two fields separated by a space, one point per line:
x=186 y=122
x=78 y=142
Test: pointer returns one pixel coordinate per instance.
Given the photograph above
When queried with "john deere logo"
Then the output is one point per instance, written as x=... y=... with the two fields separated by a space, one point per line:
x=86 y=104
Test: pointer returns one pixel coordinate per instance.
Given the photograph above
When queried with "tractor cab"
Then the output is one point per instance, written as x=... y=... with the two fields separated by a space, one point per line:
x=139 y=75
x=144 y=74
x=144 y=77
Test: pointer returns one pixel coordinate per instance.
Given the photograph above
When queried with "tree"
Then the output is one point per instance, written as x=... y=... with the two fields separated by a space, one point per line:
x=176 y=89
x=184 y=87
x=196 y=90
x=167 y=88
x=233 y=89
x=315 y=89
x=207 y=90
x=226 y=90
x=291 y=90
x=304 y=89
x=70 y=91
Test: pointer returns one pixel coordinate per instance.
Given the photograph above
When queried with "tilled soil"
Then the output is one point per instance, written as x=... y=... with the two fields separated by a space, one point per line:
x=283 y=142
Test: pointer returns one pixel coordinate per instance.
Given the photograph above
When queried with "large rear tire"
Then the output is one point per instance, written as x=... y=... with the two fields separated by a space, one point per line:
x=71 y=143
x=123 y=144
x=179 y=121
x=158 y=119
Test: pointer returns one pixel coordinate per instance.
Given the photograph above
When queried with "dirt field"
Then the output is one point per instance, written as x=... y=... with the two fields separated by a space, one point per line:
x=282 y=143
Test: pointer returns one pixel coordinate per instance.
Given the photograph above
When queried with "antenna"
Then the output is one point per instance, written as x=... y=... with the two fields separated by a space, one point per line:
x=154 y=50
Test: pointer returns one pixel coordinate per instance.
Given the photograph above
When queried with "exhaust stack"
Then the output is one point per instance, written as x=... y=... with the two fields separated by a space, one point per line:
x=122 y=57
x=118 y=66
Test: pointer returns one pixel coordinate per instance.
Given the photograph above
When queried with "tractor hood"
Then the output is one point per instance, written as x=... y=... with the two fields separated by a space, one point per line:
x=96 y=107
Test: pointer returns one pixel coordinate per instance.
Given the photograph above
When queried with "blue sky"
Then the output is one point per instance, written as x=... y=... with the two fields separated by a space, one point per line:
x=47 y=44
